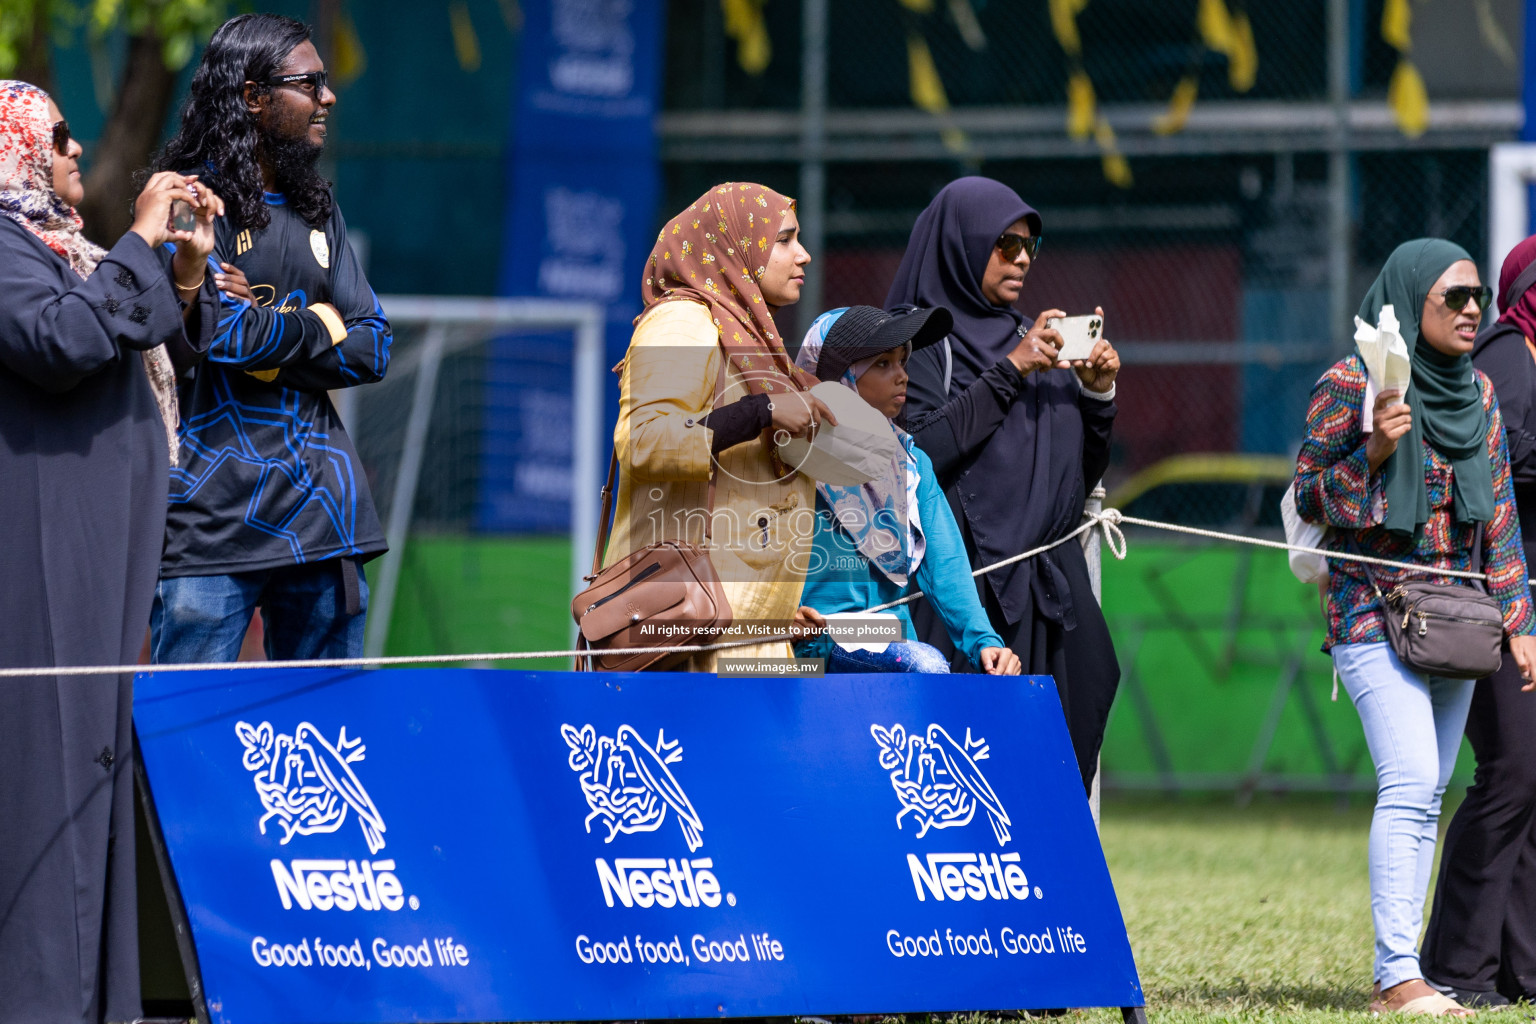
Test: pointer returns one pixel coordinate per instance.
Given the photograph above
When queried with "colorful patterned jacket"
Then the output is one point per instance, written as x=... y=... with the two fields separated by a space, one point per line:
x=1334 y=488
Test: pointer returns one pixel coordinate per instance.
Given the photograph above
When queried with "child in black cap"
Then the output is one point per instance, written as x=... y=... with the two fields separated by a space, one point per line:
x=875 y=541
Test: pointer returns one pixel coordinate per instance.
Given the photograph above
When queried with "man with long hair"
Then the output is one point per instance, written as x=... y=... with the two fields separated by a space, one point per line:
x=269 y=506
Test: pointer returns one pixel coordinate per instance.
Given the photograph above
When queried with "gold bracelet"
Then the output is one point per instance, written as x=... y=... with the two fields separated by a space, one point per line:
x=190 y=287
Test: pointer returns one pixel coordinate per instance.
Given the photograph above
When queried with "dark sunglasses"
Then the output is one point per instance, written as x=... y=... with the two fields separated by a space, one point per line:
x=1456 y=298
x=61 y=138
x=313 y=81
x=1010 y=245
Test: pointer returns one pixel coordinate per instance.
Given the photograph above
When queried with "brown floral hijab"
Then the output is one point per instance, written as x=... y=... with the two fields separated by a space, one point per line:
x=715 y=252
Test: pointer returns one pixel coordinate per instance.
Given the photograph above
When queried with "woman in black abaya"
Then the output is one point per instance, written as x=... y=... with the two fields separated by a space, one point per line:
x=87 y=433
x=1016 y=438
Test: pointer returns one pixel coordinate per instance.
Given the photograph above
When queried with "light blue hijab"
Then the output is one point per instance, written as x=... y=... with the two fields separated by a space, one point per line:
x=880 y=517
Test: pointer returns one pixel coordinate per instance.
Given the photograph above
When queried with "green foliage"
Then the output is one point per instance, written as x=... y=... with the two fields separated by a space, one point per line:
x=16 y=20
x=179 y=24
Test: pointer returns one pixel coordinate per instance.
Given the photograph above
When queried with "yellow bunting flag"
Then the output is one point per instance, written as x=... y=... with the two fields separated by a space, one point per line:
x=1243 y=58
x=1117 y=170
x=1215 y=25
x=927 y=91
x=923 y=80
x=1083 y=118
x=1406 y=94
x=1064 y=23
x=1396 y=23
x=1408 y=99
x=348 y=58
x=744 y=23
x=1179 y=105
x=466 y=44
x=1080 y=105
x=1232 y=36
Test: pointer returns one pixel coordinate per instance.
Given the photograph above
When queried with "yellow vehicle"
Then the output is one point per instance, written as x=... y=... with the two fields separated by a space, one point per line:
x=1215 y=490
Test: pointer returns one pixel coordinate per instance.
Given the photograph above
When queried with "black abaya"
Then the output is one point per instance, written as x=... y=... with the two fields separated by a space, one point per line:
x=1482 y=930
x=83 y=473
x=1015 y=455
x=1080 y=656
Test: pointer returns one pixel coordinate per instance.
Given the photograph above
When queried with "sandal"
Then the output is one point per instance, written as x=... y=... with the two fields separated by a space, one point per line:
x=1435 y=1004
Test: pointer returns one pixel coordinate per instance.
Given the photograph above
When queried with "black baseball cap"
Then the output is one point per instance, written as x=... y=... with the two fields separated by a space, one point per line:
x=864 y=331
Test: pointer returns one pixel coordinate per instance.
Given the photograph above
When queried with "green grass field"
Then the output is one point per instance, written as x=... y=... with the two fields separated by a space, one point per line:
x=1253 y=913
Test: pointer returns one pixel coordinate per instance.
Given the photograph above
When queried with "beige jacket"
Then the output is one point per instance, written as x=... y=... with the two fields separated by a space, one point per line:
x=762 y=526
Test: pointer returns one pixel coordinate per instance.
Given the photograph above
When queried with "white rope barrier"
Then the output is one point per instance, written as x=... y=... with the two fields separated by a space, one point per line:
x=1109 y=521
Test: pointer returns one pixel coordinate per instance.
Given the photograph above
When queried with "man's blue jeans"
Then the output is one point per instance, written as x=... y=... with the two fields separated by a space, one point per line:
x=1413 y=727
x=303 y=614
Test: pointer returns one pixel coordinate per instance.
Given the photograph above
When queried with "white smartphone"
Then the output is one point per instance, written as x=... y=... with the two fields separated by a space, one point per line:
x=1078 y=335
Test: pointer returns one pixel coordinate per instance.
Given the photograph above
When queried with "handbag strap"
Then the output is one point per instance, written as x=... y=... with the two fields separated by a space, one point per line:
x=605 y=514
x=1476 y=564
x=1519 y=286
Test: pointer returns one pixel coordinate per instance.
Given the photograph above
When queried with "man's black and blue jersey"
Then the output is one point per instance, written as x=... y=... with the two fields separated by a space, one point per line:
x=268 y=476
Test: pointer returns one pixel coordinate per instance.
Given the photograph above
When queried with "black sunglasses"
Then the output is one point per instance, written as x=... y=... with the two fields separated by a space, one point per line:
x=1010 y=245
x=61 y=137
x=1456 y=298
x=314 y=81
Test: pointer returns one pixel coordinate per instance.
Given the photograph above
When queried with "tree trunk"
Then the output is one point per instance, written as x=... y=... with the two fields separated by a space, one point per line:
x=36 y=63
x=128 y=139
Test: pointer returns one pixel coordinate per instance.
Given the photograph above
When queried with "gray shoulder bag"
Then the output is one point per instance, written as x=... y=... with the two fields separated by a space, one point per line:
x=1450 y=630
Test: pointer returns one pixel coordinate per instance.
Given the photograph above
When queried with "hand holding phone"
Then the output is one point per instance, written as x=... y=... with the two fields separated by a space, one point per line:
x=1079 y=335
x=183 y=218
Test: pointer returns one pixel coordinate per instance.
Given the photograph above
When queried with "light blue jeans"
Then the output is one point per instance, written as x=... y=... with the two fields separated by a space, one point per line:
x=1413 y=726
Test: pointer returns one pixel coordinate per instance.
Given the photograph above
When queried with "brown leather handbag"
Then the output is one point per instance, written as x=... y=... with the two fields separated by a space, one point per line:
x=662 y=595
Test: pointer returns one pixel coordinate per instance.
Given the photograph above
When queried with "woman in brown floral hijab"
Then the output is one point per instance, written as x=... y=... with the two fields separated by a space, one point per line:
x=718 y=271
x=718 y=252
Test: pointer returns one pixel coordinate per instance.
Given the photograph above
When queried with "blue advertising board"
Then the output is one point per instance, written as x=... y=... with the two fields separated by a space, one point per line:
x=580 y=220
x=472 y=845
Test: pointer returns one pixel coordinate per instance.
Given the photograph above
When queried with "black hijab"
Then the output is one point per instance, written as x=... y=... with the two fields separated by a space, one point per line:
x=948 y=253
x=1024 y=486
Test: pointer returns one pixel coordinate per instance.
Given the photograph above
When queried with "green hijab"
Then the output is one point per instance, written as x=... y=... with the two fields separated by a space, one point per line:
x=1447 y=408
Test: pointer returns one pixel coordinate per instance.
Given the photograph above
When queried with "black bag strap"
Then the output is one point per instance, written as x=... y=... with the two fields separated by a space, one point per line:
x=1476 y=566
x=1520 y=286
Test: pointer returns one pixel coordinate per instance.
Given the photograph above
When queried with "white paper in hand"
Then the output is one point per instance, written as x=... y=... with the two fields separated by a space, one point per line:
x=855 y=451
x=1384 y=352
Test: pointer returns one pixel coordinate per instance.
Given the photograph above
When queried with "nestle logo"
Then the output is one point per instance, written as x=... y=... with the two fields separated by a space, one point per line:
x=960 y=876
x=674 y=881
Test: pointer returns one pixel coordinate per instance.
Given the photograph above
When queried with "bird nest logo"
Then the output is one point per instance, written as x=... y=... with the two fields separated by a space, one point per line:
x=306 y=783
x=627 y=782
x=937 y=780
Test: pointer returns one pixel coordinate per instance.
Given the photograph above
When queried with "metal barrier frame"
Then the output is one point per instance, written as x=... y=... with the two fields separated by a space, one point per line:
x=440 y=314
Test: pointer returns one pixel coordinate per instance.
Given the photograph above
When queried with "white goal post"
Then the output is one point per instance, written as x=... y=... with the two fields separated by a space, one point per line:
x=449 y=324
x=1511 y=172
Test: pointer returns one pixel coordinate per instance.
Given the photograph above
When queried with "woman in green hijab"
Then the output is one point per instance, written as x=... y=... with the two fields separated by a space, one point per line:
x=1411 y=478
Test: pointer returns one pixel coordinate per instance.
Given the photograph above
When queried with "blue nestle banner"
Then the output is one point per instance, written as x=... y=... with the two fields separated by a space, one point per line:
x=580 y=221
x=472 y=845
